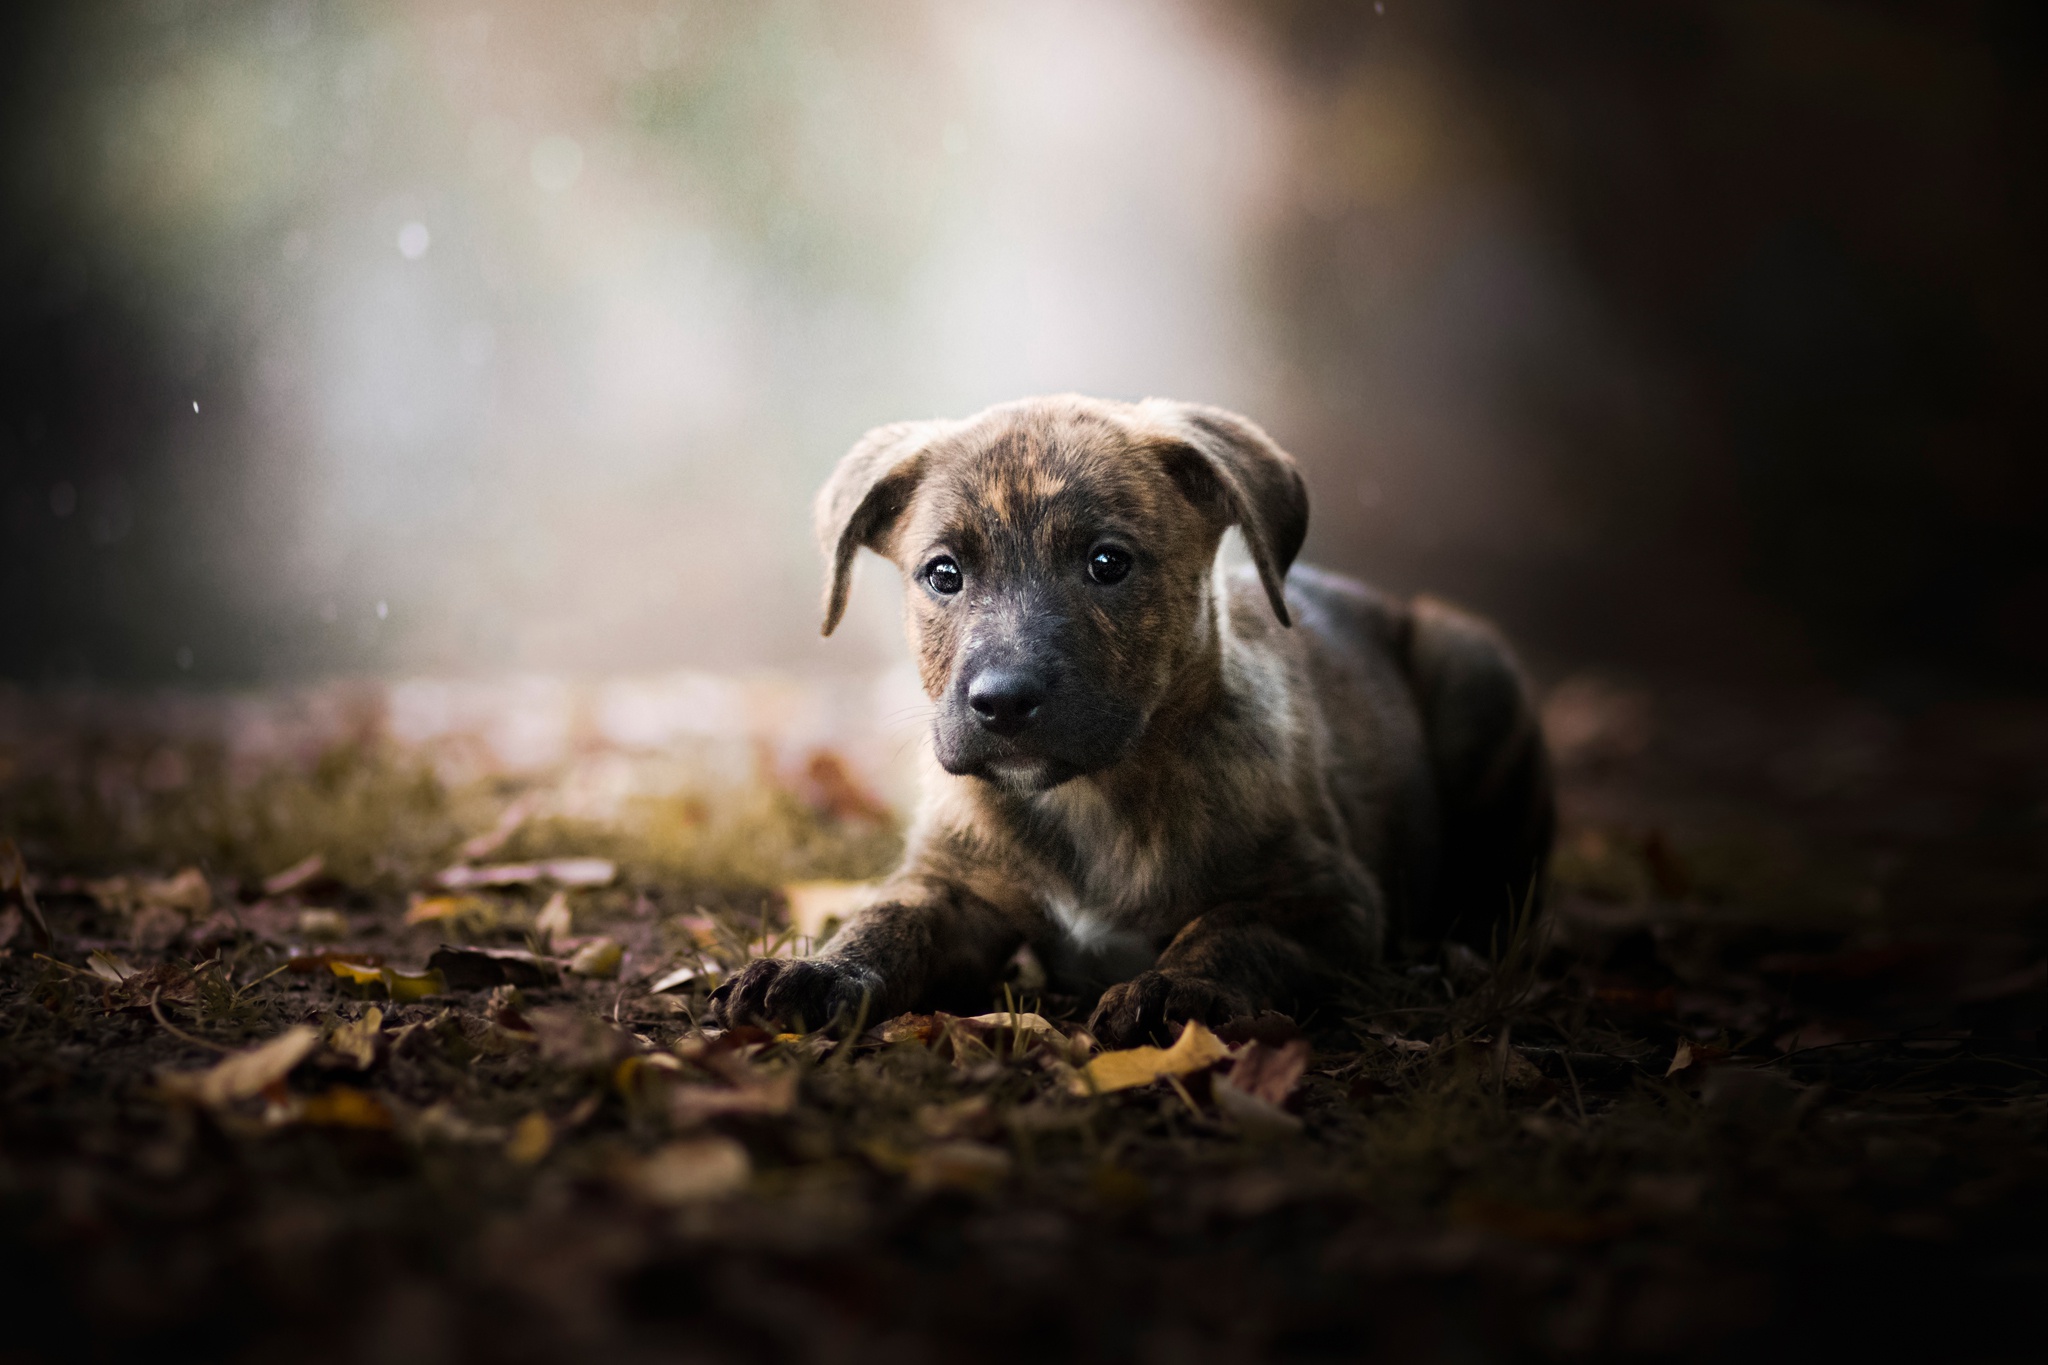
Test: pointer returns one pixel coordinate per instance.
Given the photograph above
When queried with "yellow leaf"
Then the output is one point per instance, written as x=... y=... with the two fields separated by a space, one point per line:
x=405 y=986
x=1195 y=1049
x=344 y=1106
x=355 y=973
x=446 y=909
x=358 y=1041
x=531 y=1138
x=243 y=1075
x=599 y=957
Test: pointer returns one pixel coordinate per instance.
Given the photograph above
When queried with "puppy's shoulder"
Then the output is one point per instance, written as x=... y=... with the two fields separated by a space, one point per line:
x=1330 y=610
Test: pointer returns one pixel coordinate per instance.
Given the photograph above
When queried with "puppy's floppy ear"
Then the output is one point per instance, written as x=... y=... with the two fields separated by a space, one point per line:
x=1225 y=462
x=864 y=497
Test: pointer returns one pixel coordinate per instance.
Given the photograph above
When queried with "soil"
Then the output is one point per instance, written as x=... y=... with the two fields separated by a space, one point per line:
x=1766 y=1081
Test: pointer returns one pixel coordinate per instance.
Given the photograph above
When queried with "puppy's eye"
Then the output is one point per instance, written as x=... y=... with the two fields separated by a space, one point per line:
x=1108 y=564
x=943 y=575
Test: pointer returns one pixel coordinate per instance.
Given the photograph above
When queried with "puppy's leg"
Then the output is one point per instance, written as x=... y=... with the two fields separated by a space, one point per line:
x=1493 y=775
x=1232 y=961
x=943 y=945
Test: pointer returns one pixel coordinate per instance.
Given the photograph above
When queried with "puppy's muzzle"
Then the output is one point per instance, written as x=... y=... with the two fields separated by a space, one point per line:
x=1006 y=700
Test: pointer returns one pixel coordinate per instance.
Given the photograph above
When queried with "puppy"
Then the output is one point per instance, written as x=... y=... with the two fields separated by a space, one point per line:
x=1197 y=795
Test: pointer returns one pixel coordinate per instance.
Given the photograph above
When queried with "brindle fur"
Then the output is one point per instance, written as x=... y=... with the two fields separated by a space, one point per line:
x=1238 y=786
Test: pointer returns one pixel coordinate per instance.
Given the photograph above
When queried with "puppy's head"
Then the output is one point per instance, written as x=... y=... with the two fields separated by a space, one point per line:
x=1056 y=556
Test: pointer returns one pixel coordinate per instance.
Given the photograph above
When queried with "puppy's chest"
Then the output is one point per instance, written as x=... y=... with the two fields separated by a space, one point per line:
x=1099 y=868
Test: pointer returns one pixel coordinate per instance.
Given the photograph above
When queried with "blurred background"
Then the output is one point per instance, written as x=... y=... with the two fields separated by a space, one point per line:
x=456 y=340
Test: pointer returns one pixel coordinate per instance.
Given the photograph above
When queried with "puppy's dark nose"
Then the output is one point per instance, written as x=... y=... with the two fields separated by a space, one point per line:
x=1006 y=699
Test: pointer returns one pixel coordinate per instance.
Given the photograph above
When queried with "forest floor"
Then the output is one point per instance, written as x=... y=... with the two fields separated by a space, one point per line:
x=1767 y=1081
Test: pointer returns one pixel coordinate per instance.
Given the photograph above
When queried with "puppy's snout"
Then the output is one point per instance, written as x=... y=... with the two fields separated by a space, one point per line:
x=1006 y=700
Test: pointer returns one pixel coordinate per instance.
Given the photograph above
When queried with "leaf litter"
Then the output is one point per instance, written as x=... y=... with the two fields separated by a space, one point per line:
x=1671 y=1118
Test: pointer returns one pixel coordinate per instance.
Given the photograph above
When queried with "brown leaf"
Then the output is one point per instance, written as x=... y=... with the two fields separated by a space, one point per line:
x=554 y=923
x=973 y=1166
x=764 y=1097
x=475 y=969
x=572 y=1038
x=243 y=1075
x=15 y=886
x=561 y=871
x=598 y=958
x=1258 y=1117
x=301 y=873
x=1270 y=1073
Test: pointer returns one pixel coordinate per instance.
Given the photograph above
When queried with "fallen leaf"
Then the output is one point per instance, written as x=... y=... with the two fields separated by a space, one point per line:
x=357 y=1042
x=531 y=1138
x=598 y=958
x=354 y=973
x=1270 y=1073
x=498 y=835
x=973 y=1166
x=765 y=1097
x=108 y=967
x=15 y=885
x=686 y=1172
x=561 y=871
x=1029 y=1023
x=478 y=913
x=1196 y=1048
x=681 y=976
x=1256 y=1116
x=344 y=1106
x=243 y=1075
x=573 y=1038
x=327 y=924
x=299 y=874
x=474 y=969
x=974 y=1116
x=554 y=922
x=1680 y=1059
x=815 y=907
x=405 y=986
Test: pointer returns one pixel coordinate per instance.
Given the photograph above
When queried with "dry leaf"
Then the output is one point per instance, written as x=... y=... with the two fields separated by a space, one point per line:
x=815 y=907
x=357 y=1042
x=598 y=958
x=685 y=1172
x=763 y=1097
x=344 y=1106
x=972 y=1166
x=1195 y=1049
x=1255 y=1115
x=561 y=871
x=554 y=922
x=243 y=1075
x=1681 y=1059
x=478 y=913
x=108 y=967
x=475 y=969
x=498 y=835
x=297 y=875
x=1270 y=1073
x=681 y=976
x=15 y=885
x=531 y=1138
x=327 y=924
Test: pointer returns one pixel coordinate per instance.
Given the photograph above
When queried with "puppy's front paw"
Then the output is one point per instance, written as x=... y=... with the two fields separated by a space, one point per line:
x=801 y=994
x=1150 y=1007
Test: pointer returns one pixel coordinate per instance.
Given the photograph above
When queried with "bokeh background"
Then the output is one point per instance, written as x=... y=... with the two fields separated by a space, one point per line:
x=455 y=340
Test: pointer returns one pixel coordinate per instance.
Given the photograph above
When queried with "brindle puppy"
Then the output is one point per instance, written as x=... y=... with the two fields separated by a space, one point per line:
x=1141 y=770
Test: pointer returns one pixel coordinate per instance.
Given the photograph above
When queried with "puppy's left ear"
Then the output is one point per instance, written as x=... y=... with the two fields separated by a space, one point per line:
x=863 y=499
x=1225 y=461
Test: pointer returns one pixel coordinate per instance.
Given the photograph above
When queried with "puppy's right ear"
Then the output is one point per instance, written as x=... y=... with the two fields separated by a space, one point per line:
x=862 y=500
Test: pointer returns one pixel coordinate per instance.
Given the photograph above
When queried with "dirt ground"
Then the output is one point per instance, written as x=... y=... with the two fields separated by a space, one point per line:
x=1767 y=1082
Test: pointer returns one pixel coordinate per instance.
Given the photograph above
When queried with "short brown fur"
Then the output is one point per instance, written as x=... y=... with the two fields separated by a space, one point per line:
x=1206 y=812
